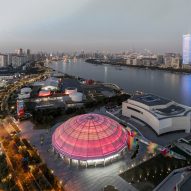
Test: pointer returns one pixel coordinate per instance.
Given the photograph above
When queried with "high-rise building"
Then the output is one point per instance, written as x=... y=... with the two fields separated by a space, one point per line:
x=10 y=59
x=19 y=51
x=18 y=60
x=3 y=60
x=187 y=49
x=28 y=52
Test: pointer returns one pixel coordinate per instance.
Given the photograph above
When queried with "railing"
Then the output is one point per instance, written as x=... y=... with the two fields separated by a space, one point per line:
x=170 y=175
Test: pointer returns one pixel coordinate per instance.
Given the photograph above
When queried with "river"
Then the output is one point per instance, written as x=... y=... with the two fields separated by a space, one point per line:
x=175 y=86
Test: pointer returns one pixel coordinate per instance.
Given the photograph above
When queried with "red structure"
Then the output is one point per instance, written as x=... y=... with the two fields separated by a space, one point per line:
x=89 y=137
x=89 y=82
x=20 y=108
x=44 y=93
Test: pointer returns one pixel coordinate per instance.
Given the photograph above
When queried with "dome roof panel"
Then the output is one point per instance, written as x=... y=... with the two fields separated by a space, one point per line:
x=88 y=137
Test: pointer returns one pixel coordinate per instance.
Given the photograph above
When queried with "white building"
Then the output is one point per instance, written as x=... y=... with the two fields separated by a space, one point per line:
x=51 y=84
x=160 y=114
x=6 y=77
x=71 y=90
x=26 y=90
x=3 y=60
x=176 y=62
x=17 y=60
x=132 y=61
x=3 y=83
x=49 y=87
x=24 y=96
x=25 y=93
x=76 y=97
x=172 y=60
x=19 y=51
x=187 y=49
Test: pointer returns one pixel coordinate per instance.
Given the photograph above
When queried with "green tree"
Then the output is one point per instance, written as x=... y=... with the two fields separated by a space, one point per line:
x=4 y=170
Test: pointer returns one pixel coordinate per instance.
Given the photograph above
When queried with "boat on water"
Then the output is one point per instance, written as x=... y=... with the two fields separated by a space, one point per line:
x=139 y=92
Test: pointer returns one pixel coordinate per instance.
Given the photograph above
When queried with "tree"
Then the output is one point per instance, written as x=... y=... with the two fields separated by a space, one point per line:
x=4 y=170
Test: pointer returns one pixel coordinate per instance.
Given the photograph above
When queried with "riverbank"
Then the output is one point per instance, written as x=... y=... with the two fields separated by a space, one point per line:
x=173 y=70
x=172 y=85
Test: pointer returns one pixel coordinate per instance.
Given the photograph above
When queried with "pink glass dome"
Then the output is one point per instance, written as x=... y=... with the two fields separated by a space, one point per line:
x=88 y=137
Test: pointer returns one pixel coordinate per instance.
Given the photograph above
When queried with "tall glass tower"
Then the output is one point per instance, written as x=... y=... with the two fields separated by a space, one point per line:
x=187 y=49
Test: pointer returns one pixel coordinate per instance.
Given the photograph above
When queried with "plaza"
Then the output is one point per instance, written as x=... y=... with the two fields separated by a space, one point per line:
x=80 y=178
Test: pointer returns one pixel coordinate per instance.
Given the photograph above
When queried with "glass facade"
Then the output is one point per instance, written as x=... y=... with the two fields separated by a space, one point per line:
x=89 y=137
x=187 y=49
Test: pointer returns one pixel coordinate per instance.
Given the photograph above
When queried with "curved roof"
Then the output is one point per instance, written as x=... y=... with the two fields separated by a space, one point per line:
x=88 y=137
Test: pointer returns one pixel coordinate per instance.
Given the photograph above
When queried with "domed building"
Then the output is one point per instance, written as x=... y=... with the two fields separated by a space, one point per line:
x=90 y=139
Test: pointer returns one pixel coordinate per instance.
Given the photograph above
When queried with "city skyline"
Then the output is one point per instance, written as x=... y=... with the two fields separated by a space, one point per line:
x=94 y=25
x=95 y=95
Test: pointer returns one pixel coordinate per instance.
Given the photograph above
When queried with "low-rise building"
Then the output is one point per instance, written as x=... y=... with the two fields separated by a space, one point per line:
x=186 y=66
x=176 y=62
x=3 y=83
x=160 y=59
x=161 y=114
x=172 y=60
x=149 y=61
x=142 y=60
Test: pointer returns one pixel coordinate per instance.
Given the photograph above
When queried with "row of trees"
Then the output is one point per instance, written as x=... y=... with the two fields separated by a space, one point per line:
x=118 y=99
x=46 y=116
x=28 y=167
x=4 y=170
x=154 y=170
x=6 y=179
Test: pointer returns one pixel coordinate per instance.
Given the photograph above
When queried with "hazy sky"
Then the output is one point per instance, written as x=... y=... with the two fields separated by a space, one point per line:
x=112 y=25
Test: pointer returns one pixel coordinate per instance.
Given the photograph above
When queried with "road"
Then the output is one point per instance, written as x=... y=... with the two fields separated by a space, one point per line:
x=15 y=86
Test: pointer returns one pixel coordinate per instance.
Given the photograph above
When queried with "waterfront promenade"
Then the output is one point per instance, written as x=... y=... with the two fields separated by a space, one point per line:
x=173 y=86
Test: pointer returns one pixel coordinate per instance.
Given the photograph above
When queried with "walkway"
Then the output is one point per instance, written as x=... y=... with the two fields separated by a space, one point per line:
x=80 y=179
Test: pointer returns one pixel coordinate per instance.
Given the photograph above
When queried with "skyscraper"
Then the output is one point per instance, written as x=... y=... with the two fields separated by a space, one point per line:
x=19 y=51
x=3 y=60
x=187 y=49
x=28 y=52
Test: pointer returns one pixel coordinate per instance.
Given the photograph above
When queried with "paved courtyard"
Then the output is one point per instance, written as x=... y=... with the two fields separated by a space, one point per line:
x=148 y=133
x=78 y=178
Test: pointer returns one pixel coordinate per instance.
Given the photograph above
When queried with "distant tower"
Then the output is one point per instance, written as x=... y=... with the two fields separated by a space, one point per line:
x=3 y=60
x=187 y=49
x=28 y=52
x=19 y=51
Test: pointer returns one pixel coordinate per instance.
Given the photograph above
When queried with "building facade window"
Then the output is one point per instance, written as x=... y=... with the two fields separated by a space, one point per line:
x=134 y=109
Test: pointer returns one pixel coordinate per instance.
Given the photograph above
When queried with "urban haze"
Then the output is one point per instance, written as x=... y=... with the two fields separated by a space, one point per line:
x=109 y=25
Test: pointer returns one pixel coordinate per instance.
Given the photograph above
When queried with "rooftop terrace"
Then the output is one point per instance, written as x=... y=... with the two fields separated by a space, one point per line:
x=150 y=99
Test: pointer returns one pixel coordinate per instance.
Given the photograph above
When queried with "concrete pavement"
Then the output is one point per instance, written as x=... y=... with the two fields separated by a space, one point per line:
x=78 y=178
